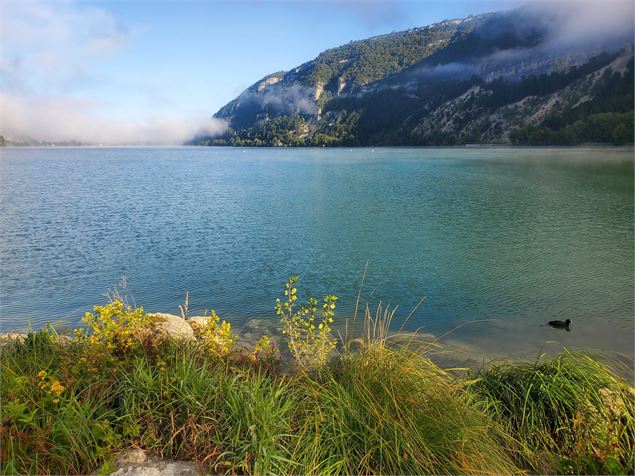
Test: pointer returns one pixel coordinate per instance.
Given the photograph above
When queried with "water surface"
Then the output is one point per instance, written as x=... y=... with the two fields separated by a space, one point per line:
x=516 y=237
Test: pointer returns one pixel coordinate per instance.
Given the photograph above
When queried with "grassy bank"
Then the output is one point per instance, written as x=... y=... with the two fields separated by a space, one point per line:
x=68 y=407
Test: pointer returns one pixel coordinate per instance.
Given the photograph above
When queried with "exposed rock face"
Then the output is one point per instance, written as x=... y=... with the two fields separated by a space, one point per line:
x=268 y=81
x=341 y=85
x=174 y=327
x=319 y=87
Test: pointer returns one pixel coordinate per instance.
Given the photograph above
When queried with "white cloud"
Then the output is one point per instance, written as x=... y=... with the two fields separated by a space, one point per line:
x=49 y=61
x=580 y=22
x=64 y=119
x=55 y=40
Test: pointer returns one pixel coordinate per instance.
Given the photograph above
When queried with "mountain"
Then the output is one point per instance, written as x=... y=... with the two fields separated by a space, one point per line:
x=526 y=76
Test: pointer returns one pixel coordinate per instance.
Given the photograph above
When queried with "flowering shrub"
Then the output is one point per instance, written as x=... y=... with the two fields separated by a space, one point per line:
x=310 y=345
x=216 y=335
x=117 y=328
x=112 y=332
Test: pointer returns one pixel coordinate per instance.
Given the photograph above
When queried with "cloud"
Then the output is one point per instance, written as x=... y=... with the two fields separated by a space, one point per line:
x=511 y=42
x=50 y=78
x=58 y=119
x=295 y=97
x=453 y=69
x=584 y=22
x=54 y=42
x=282 y=98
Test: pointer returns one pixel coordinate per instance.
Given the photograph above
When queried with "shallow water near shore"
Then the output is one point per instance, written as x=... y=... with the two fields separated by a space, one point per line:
x=511 y=238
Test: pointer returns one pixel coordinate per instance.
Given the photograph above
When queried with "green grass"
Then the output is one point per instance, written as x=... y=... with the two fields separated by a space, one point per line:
x=570 y=414
x=381 y=410
x=388 y=411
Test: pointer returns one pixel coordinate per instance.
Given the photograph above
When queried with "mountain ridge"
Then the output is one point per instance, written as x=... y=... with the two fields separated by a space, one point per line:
x=496 y=77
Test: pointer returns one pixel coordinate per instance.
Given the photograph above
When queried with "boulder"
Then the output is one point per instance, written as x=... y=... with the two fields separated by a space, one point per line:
x=174 y=327
x=197 y=320
x=158 y=468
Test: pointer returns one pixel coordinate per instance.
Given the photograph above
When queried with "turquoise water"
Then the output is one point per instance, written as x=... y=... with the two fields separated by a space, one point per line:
x=516 y=237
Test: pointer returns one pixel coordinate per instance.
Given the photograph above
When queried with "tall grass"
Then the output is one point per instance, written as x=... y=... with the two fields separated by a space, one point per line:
x=382 y=409
x=570 y=414
x=229 y=418
x=39 y=436
x=390 y=411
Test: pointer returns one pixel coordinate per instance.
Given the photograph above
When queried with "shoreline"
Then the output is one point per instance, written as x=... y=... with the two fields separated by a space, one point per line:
x=155 y=392
x=447 y=353
x=590 y=145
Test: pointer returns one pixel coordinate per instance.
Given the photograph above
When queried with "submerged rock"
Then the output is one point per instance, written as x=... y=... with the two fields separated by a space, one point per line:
x=253 y=330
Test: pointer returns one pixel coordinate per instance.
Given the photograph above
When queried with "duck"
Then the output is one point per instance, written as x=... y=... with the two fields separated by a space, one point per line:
x=560 y=324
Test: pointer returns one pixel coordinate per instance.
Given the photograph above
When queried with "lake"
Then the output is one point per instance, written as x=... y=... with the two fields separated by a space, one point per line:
x=511 y=238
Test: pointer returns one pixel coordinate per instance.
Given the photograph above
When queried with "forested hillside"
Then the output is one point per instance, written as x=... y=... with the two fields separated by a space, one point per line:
x=504 y=77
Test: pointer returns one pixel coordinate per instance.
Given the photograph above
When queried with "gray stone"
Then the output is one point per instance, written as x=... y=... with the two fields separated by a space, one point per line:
x=159 y=467
x=134 y=456
x=64 y=339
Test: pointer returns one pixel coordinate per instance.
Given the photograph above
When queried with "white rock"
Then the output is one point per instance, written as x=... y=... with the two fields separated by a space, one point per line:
x=174 y=326
x=12 y=337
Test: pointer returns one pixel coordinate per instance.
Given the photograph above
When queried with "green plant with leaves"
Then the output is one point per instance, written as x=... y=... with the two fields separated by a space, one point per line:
x=266 y=353
x=69 y=406
x=53 y=421
x=310 y=342
x=215 y=335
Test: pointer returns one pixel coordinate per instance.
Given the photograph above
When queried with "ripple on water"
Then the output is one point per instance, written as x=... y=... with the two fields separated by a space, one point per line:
x=517 y=235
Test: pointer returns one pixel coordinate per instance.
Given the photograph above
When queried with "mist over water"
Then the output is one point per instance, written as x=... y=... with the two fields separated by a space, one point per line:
x=516 y=237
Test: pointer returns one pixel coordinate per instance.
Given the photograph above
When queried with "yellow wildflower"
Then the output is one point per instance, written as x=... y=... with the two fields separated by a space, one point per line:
x=57 y=388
